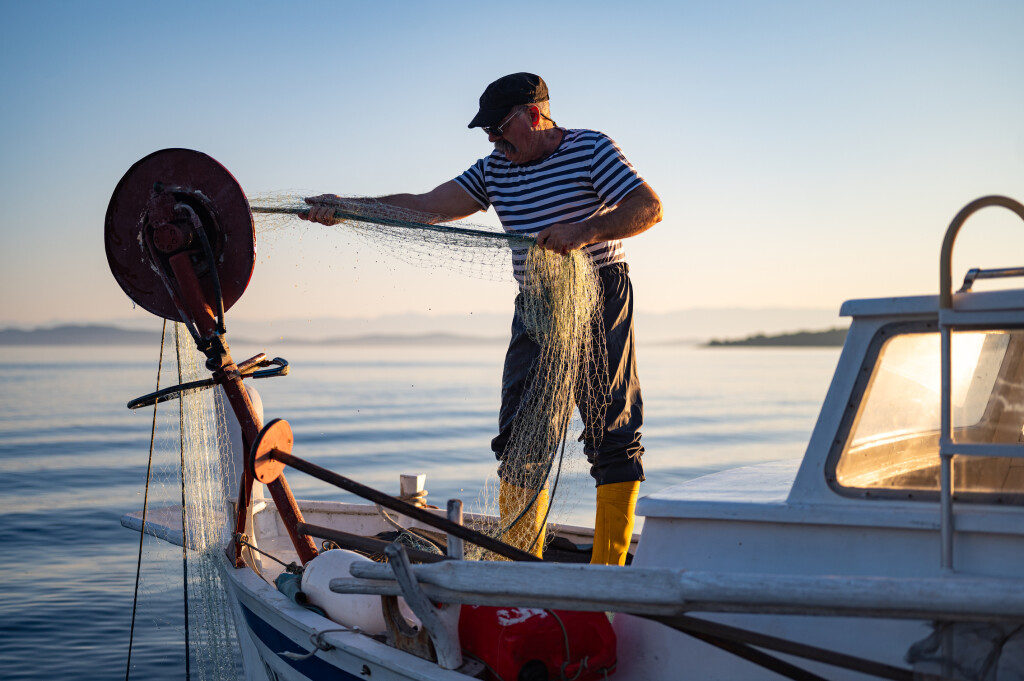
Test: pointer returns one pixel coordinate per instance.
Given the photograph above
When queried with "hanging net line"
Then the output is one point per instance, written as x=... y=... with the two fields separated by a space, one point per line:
x=560 y=303
x=420 y=239
x=181 y=590
x=205 y=482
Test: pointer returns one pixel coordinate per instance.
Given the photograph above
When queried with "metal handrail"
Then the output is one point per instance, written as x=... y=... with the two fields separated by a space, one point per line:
x=946 y=257
x=978 y=273
x=946 y=443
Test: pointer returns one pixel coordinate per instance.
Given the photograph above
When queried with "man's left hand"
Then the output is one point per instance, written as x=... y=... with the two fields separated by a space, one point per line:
x=562 y=238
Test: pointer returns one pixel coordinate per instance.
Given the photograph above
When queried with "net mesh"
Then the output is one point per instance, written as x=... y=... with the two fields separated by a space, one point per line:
x=205 y=485
x=180 y=589
x=420 y=239
x=560 y=305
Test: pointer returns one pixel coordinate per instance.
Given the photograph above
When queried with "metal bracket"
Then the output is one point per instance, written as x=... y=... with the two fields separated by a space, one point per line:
x=440 y=622
x=402 y=635
x=246 y=370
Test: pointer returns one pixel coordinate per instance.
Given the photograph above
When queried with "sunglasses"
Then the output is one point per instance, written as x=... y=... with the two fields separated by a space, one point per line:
x=498 y=130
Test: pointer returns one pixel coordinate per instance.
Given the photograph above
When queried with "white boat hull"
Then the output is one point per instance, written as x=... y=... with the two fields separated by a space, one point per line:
x=270 y=624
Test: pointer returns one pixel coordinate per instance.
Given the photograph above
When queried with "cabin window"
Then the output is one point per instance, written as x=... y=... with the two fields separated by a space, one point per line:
x=890 y=438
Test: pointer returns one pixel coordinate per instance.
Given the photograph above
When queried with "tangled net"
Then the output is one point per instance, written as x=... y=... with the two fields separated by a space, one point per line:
x=561 y=307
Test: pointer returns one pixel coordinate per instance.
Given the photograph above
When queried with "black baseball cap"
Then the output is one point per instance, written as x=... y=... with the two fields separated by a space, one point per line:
x=505 y=93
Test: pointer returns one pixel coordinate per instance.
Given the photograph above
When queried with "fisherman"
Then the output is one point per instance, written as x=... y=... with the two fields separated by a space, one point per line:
x=573 y=189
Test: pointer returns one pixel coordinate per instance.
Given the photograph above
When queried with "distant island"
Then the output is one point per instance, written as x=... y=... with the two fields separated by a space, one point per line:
x=79 y=334
x=831 y=338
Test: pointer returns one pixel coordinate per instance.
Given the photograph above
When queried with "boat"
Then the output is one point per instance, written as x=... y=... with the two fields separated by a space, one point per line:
x=892 y=550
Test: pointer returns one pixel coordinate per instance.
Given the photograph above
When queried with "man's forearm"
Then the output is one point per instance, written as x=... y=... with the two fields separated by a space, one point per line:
x=635 y=214
x=445 y=202
x=638 y=212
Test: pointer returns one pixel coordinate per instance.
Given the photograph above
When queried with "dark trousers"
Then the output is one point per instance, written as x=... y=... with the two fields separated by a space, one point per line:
x=615 y=452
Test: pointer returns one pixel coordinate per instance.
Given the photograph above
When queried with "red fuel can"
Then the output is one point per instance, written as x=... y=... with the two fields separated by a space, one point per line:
x=531 y=644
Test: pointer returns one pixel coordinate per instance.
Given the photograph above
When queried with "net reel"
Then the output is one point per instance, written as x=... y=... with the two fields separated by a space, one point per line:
x=180 y=242
x=180 y=239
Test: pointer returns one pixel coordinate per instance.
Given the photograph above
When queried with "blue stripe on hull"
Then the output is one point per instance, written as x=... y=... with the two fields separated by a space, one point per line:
x=312 y=668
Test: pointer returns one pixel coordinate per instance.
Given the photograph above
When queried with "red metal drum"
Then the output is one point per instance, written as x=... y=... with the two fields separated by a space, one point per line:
x=209 y=193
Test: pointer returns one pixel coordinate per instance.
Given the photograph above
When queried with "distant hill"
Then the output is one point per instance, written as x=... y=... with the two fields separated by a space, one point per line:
x=830 y=338
x=72 y=334
x=98 y=334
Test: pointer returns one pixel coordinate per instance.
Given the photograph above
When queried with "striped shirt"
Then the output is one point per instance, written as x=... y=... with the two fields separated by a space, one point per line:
x=585 y=174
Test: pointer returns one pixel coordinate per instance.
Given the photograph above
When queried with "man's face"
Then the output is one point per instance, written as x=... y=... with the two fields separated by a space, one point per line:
x=518 y=141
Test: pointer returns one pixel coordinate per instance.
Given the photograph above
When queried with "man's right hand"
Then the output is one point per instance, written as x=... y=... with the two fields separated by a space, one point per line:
x=321 y=209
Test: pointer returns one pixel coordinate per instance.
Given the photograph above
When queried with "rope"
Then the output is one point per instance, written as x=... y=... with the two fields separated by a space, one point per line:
x=568 y=658
x=293 y=567
x=388 y=519
x=568 y=653
x=417 y=499
x=319 y=643
x=184 y=526
x=145 y=506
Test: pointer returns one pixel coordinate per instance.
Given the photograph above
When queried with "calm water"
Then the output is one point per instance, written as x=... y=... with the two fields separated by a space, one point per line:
x=73 y=459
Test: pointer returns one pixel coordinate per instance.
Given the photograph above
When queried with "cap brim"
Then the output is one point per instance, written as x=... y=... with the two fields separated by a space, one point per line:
x=486 y=118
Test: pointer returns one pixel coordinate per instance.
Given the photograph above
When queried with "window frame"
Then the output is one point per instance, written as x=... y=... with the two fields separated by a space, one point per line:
x=852 y=408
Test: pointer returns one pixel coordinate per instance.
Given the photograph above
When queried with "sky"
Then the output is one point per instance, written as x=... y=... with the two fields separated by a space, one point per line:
x=805 y=152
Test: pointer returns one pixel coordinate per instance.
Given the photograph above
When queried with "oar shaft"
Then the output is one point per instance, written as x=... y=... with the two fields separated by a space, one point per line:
x=414 y=512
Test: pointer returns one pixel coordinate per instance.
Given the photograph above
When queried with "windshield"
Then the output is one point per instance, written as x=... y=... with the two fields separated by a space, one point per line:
x=893 y=441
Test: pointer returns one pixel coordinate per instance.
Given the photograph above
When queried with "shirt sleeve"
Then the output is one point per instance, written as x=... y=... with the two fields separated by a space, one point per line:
x=612 y=174
x=473 y=182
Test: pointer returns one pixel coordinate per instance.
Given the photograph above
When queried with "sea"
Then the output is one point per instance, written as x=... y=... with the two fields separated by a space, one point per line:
x=74 y=459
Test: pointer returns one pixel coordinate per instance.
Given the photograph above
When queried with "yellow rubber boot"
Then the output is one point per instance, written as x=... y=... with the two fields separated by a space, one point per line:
x=511 y=500
x=613 y=524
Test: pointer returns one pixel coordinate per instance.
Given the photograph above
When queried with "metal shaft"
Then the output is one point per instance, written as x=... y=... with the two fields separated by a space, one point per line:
x=420 y=514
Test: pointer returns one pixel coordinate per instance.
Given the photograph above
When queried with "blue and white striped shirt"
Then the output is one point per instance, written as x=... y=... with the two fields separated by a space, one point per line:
x=586 y=173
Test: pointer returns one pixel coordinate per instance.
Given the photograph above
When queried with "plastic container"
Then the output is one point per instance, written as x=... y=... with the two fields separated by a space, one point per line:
x=351 y=610
x=528 y=644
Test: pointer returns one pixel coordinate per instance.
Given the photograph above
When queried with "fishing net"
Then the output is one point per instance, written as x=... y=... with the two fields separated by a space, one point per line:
x=560 y=305
x=207 y=477
x=424 y=240
x=191 y=479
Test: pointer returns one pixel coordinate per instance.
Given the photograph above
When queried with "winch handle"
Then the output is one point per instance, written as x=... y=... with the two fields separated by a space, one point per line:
x=281 y=368
x=247 y=370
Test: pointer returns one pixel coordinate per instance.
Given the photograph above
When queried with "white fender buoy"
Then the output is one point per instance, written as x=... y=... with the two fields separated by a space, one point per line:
x=350 y=610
